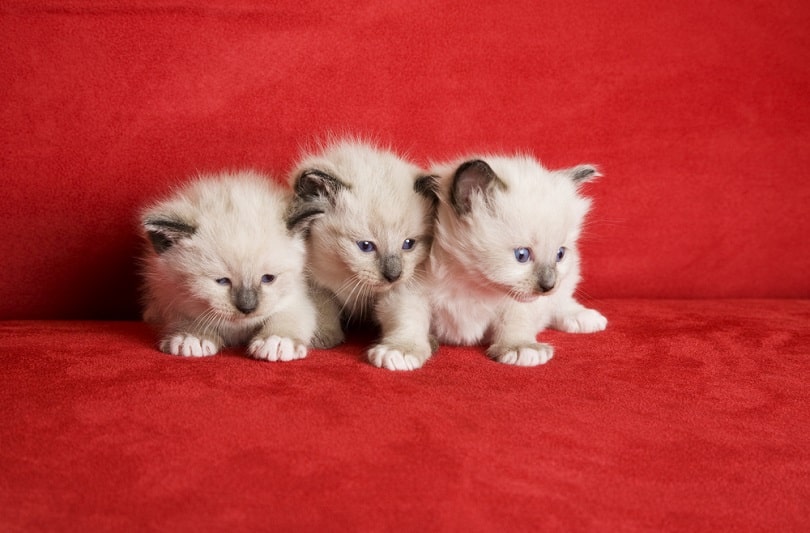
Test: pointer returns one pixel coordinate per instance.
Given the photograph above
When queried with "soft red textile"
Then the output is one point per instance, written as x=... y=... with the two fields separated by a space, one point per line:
x=695 y=111
x=682 y=416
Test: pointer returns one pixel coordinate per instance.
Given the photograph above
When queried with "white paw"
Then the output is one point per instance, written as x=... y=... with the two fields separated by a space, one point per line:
x=383 y=356
x=585 y=321
x=188 y=346
x=275 y=348
x=532 y=355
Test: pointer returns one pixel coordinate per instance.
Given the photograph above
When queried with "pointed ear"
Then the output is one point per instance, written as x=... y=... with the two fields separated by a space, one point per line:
x=312 y=183
x=583 y=173
x=303 y=211
x=165 y=232
x=428 y=186
x=315 y=192
x=472 y=178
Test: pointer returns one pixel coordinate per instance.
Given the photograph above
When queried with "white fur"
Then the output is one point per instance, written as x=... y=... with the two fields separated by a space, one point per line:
x=376 y=202
x=479 y=292
x=239 y=234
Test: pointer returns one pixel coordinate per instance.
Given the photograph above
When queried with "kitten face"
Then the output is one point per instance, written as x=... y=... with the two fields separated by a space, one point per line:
x=223 y=256
x=373 y=218
x=512 y=225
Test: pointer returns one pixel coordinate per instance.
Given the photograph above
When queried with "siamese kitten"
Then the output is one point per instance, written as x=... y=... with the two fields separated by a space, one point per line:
x=222 y=269
x=368 y=218
x=504 y=263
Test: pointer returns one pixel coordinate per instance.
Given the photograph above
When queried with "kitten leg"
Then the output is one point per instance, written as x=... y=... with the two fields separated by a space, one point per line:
x=514 y=337
x=188 y=345
x=275 y=348
x=574 y=317
x=286 y=335
x=404 y=317
x=329 y=331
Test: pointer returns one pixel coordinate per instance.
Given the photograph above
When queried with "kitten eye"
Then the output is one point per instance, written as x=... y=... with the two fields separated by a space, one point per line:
x=522 y=254
x=561 y=253
x=408 y=244
x=366 y=246
x=224 y=281
x=268 y=278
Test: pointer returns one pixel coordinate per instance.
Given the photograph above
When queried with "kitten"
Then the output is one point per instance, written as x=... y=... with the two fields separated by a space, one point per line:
x=368 y=217
x=223 y=270
x=504 y=263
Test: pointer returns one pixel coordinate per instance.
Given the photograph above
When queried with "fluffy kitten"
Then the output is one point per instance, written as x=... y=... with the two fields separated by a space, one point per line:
x=223 y=270
x=504 y=263
x=368 y=216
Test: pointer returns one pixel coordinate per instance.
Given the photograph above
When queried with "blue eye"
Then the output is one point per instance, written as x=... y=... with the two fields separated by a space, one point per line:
x=366 y=246
x=268 y=278
x=561 y=253
x=224 y=281
x=523 y=254
x=408 y=244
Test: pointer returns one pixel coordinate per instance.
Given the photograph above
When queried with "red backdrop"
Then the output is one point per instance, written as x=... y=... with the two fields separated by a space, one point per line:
x=696 y=112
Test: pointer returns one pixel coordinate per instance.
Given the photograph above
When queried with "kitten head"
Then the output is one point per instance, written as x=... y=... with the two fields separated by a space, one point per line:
x=220 y=251
x=368 y=217
x=511 y=225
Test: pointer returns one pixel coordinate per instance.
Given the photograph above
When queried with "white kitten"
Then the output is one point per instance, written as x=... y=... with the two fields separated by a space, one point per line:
x=223 y=270
x=504 y=263
x=368 y=216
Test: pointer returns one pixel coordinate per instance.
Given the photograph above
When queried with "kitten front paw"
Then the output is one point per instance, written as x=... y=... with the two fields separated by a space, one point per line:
x=275 y=348
x=188 y=346
x=528 y=355
x=582 y=321
x=395 y=358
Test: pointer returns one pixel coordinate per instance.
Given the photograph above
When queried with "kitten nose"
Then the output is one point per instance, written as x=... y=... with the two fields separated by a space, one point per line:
x=391 y=268
x=546 y=278
x=246 y=300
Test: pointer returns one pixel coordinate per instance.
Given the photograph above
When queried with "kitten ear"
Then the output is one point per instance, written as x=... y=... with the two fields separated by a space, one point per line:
x=471 y=178
x=312 y=183
x=164 y=232
x=428 y=186
x=302 y=212
x=315 y=192
x=583 y=173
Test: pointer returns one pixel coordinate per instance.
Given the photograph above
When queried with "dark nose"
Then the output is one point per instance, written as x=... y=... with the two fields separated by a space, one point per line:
x=391 y=268
x=546 y=278
x=246 y=299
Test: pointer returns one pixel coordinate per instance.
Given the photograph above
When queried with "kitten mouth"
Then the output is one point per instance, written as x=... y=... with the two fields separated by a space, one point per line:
x=526 y=298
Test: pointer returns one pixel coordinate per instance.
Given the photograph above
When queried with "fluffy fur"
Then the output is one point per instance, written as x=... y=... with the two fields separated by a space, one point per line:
x=222 y=269
x=504 y=263
x=368 y=217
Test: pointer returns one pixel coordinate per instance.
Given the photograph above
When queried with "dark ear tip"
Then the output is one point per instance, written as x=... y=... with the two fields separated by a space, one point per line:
x=477 y=164
x=313 y=182
x=584 y=173
x=164 y=232
x=427 y=186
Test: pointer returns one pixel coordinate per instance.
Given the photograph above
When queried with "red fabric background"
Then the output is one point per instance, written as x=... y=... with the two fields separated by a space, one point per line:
x=684 y=415
x=680 y=417
x=695 y=111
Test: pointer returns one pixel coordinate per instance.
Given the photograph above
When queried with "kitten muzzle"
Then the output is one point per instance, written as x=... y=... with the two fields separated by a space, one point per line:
x=391 y=267
x=546 y=279
x=245 y=299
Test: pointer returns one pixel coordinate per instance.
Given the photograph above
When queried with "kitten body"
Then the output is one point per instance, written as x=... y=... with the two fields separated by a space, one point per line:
x=368 y=219
x=222 y=269
x=504 y=263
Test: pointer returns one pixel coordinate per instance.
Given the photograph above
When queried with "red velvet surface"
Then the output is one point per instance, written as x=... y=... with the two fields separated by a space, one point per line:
x=682 y=416
x=695 y=111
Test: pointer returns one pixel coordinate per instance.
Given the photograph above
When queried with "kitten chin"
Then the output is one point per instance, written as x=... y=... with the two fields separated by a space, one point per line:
x=505 y=263
x=222 y=269
x=367 y=215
